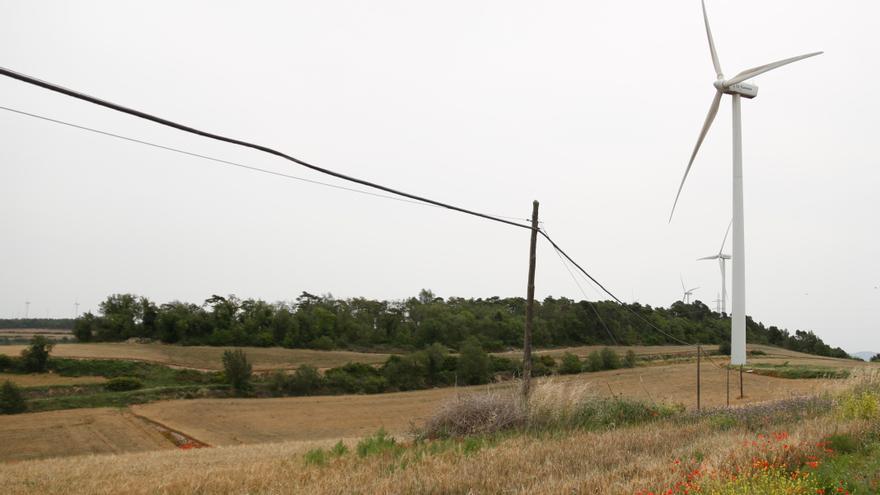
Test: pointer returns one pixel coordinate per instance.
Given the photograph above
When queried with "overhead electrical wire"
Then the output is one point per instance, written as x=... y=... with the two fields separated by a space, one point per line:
x=221 y=160
x=168 y=123
x=192 y=130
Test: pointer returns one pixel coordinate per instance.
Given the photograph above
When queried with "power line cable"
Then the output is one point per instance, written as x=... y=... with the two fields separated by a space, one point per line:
x=219 y=160
x=584 y=293
x=168 y=123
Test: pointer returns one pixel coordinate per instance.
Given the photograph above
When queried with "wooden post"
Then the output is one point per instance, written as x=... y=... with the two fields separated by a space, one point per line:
x=741 y=395
x=530 y=307
x=728 y=384
x=698 y=377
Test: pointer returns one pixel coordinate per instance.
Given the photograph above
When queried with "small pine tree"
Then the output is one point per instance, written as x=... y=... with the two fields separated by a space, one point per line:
x=11 y=399
x=473 y=363
x=238 y=370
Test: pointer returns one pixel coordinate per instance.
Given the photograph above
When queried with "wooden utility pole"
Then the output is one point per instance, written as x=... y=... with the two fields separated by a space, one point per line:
x=728 y=384
x=698 y=377
x=741 y=395
x=530 y=307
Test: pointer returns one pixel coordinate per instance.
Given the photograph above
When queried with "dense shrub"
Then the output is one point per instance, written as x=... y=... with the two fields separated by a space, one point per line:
x=237 y=370
x=305 y=381
x=6 y=362
x=629 y=360
x=594 y=362
x=11 y=399
x=473 y=363
x=406 y=372
x=35 y=358
x=570 y=364
x=610 y=359
x=355 y=378
x=123 y=383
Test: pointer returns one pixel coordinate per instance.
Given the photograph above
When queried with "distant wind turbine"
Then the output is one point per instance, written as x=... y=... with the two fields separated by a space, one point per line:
x=687 y=292
x=722 y=261
x=737 y=88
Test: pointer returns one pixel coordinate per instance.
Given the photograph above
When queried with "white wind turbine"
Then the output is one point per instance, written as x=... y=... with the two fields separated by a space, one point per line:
x=722 y=261
x=737 y=88
x=687 y=293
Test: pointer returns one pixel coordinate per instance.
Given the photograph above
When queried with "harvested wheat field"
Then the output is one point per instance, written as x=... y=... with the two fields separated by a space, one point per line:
x=206 y=357
x=48 y=379
x=245 y=421
x=619 y=461
x=76 y=432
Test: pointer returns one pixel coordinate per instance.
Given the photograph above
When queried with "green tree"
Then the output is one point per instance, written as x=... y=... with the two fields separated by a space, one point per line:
x=629 y=361
x=473 y=363
x=35 y=358
x=435 y=356
x=610 y=359
x=570 y=364
x=305 y=381
x=11 y=399
x=876 y=358
x=237 y=370
x=595 y=361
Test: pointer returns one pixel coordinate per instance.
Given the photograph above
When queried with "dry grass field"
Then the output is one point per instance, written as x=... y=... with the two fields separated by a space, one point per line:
x=617 y=461
x=48 y=379
x=246 y=421
x=206 y=357
x=75 y=432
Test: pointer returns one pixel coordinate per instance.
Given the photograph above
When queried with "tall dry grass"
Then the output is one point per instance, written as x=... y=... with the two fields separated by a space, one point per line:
x=610 y=461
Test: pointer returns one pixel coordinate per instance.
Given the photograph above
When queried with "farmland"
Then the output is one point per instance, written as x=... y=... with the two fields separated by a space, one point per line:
x=205 y=357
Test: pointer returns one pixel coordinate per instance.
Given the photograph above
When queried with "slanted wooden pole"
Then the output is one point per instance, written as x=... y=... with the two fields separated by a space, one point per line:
x=530 y=307
x=699 y=351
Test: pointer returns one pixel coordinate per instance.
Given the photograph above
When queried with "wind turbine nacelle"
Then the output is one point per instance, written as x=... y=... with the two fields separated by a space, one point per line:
x=745 y=90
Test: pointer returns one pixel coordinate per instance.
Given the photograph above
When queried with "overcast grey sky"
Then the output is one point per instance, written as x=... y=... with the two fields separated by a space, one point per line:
x=590 y=107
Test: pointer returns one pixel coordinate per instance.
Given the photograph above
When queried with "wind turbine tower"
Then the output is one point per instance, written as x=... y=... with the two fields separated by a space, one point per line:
x=687 y=293
x=737 y=88
x=722 y=262
x=76 y=309
x=27 y=308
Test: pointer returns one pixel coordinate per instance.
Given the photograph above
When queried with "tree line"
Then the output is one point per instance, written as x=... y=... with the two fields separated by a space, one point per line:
x=325 y=322
x=41 y=323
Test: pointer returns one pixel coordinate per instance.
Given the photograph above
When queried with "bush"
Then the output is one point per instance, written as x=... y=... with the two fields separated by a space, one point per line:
x=406 y=372
x=629 y=361
x=238 y=370
x=594 y=361
x=322 y=343
x=473 y=363
x=11 y=399
x=35 y=358
x=6 y=362
x=317 y=457
x=476 y=414
x=123 y=383
x=724 y=347
x=355 y=378
x=610 y=359
x=305 y=381
x=570 y=364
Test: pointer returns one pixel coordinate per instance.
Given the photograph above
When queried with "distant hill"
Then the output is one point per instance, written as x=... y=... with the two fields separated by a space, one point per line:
x=864 y=355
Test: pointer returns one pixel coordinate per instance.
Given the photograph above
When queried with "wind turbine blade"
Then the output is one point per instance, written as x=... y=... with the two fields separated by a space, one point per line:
x=715 y=61
x=710 y=117
x=695 y=288
x=682 y=283
x=713 y=257
x=755 y=71
x=725 y=236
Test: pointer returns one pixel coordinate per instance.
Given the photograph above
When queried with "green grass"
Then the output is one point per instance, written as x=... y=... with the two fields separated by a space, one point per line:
x=123 y=399
x=798 y=372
